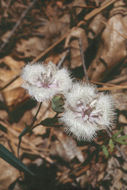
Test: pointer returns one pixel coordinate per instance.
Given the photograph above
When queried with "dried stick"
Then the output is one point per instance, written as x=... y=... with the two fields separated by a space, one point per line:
x=83 y=6
x=98 y=10
x=116 y=87
x=83 y=59
x=17 y=24
x=63 y=59
x=10 y=82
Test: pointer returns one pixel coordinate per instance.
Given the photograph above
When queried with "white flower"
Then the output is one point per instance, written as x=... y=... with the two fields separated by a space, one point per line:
x=87 y=111
x=43 y=81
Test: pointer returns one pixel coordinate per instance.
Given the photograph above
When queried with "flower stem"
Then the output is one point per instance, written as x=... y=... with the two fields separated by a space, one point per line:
x=83 y=59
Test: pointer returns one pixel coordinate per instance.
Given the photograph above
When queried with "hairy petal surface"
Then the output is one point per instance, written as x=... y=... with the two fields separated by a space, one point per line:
x=87 y=111
x=43 y=81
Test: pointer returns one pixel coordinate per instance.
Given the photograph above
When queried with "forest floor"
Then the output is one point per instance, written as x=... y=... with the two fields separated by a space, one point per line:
x=42 y=31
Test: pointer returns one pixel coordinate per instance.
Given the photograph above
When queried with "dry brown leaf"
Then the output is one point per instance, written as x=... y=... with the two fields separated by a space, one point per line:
x=13 y=94
x=78 y=3
x=96 y=26
x=9 y=68
x=66 y=148
x=31 y=47
x=8 y=174
x=53 y=29
x=122 y=119
x=14 y=97
x=120 y=99
x=112 y=49
x=48 y=32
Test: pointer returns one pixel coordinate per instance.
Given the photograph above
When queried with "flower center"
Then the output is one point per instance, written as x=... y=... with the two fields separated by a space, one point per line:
x=45 y=81
x=87 y=112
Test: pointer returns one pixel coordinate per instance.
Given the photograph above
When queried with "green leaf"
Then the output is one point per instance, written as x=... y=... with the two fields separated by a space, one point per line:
x=6 y=155
x=116 y=134
x=49 y=121
x=119 y=140
x=105 y=151
x=124 y=137
x=111 y=145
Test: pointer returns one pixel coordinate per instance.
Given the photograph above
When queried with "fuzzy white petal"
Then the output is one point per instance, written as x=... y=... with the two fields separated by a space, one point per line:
x=77 y=93
x=40 y=94
x=63 y=80
x=77 y=127
x=106 y=105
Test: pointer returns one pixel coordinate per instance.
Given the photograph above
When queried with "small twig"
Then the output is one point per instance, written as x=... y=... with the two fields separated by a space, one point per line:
x=98 y=10
x=17 y=24
x=83 y=6
x=10 y=82
x=116 y=87
x=63 y=59
x=83 y=59
x=122 y=78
